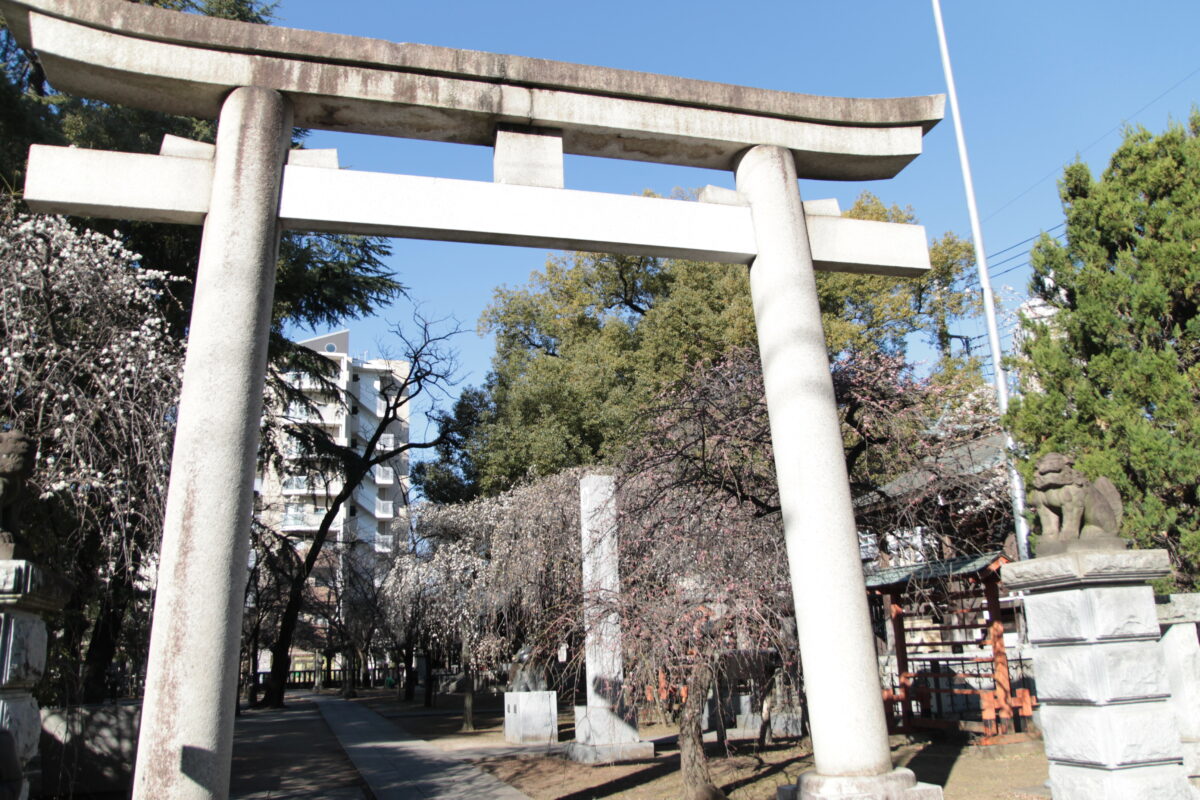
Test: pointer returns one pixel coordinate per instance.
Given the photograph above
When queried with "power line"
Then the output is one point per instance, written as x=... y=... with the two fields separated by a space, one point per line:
x=1023 y=241
x=1099 y=139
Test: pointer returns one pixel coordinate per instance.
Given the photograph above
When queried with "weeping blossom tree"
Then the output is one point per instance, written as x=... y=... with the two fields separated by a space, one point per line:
x=91 y=373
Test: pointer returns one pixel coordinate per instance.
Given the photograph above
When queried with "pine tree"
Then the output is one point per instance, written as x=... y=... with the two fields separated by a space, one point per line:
x=1112 y=375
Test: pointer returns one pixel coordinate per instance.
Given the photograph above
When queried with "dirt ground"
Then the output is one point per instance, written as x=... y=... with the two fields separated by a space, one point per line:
x=1017 y=772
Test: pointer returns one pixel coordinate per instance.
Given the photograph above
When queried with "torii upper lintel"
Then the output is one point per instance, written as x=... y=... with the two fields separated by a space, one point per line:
x=187 y=64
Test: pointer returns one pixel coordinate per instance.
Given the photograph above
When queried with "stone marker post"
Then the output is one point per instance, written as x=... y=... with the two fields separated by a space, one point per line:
x=191 y=681
x=1102 y=682
x=26 y=592
x=606 y=728
x=841 y=674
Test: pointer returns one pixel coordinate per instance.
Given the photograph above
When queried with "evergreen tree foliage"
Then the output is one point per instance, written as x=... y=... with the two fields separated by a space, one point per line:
x=1112 y=376
x=587 y=345
x=322 y=279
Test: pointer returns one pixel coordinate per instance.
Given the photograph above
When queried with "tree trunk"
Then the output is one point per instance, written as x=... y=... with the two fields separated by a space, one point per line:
x=429 y=687
x=697 y=781
x=105 y=634
x=410 y=673
x=350 y=674
x=280 y=651
x=468 y=718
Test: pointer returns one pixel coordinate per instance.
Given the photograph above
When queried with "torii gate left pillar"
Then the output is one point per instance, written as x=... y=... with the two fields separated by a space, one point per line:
x=255 y=78
x=184 y=748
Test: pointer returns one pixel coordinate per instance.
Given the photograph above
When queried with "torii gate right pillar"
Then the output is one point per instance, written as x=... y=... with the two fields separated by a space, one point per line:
x=841 y=674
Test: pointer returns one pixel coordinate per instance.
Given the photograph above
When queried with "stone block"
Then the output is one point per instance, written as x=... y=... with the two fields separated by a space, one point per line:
x=23 y=641
x=27 y=587
x=531 y=717
x=1101 y=673
x=1191 y=757
x=1113 y=736
x=601 y=725
x=1077 y=569
x=1176 y=608
x=899 y=784
x=528 y=156
x=20 y=717
x=787 y=723
x=1181 y=654
x=1091 y=614
x=609 y=753
x=1159 y=782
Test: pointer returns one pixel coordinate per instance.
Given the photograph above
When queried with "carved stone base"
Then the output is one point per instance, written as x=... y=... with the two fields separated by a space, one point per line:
x=899 y=784
x=1102 y=679
x=1092 y=544
x=609 y=753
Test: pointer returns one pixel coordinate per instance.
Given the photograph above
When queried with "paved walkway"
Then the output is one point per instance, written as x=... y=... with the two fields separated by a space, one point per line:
x=326 y=748
x=396 y=766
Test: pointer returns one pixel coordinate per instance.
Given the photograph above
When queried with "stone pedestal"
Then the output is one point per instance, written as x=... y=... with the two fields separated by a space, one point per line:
x=606 y=728
x=531 y=717
x=899 y=784
x=1102 y=682
x=1177 y=619
x=25 y=592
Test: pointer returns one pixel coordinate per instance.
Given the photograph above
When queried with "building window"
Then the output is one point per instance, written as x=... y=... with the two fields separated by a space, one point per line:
x=354 y=511
x=331 y=348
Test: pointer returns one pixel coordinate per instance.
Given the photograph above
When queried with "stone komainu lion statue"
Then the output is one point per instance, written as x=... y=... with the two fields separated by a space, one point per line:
x=1075 y=513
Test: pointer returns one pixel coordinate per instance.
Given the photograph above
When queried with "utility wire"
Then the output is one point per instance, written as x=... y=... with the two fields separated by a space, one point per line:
x=1023 y=241
x=1099 y=139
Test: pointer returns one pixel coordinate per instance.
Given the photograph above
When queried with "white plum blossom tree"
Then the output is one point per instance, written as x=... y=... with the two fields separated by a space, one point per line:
x=90 y=371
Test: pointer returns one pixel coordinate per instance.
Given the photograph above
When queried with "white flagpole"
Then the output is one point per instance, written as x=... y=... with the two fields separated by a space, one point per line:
x=1016 y=485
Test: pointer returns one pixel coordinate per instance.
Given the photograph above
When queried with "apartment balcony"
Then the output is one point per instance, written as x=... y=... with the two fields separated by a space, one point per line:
x=383 y=509
x=301 y=485
x=301 y=522
x=384 y=476
x=385 y=543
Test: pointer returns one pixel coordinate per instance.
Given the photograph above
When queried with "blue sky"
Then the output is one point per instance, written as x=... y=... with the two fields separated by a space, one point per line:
x=1039 y=83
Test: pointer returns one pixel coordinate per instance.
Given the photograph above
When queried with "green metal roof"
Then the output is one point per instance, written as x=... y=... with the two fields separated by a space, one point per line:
x=932 y=570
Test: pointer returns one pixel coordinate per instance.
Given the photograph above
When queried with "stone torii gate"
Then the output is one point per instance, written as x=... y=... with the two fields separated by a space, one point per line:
x=260 y=81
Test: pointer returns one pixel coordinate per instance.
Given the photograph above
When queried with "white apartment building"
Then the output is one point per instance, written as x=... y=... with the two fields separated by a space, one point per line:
x=295 y=501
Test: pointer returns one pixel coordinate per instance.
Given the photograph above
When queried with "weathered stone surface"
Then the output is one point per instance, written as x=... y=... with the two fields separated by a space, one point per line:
x=898 y=784
x=23 y=640
x=841 y=670
x=604 y=725
x=1072 y=569
x=27 y=587
x=1101 y=673
x=19 y=716
x=1111 y=736
x=531 y=717
x=609 y=753
x=191 y=679
x=178 y=189
x=1140 y=783
x=1091 y=615
x=1177 y=608
x=528 y=157
x=186 y=64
